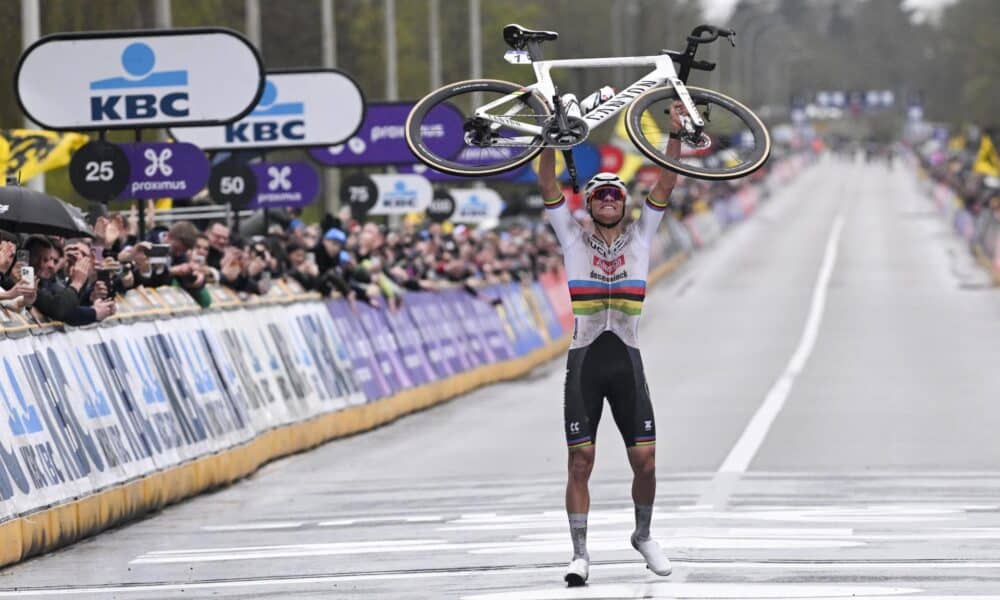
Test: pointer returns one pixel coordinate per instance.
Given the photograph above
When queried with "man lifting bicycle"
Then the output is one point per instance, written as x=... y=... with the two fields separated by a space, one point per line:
x=607 y=272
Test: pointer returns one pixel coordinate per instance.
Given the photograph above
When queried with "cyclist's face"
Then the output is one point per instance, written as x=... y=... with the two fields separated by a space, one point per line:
x=607 y=204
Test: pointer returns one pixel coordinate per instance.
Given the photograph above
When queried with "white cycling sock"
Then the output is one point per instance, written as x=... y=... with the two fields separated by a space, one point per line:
x=643 y=516
x=578 y=531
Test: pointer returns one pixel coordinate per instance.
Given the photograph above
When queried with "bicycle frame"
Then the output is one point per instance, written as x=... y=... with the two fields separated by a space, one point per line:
x=663 y=72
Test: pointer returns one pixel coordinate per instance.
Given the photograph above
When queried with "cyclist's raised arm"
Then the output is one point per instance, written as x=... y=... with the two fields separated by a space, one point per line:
x=555 y=204
x=547 y=175
x=658 y=200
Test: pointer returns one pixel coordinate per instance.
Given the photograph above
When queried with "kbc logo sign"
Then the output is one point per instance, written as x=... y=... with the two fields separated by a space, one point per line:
x=270 y=121
x=142 y=93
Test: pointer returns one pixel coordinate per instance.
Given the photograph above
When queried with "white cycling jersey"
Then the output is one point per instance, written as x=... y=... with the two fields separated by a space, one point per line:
x=607 y=284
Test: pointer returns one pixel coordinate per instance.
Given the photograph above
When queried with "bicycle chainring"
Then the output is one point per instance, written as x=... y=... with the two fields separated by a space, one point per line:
x=575 y=132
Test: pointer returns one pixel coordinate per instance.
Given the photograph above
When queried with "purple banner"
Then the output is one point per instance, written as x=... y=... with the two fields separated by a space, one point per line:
x=284 y=184
x=461 y=307
x=548 y=314
x=417 y=305
x=410 y=345
x=444 y=326
x=381 y=140
x=519 y=318
x=366 y=369
x=386 y=354
x=494 y=330
x=162 y=170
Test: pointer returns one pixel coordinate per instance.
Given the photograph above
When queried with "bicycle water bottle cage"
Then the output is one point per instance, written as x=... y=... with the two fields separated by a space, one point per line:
x=518 y=37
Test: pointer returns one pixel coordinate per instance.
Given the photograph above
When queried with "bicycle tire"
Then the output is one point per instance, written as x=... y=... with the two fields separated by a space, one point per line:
x=421 y=109
x=759 y=154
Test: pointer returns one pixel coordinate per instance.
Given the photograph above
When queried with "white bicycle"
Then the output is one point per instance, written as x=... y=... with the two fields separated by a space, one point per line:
x=507 y=125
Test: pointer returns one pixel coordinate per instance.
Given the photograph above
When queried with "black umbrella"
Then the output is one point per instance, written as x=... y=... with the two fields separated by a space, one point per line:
x=23 y=210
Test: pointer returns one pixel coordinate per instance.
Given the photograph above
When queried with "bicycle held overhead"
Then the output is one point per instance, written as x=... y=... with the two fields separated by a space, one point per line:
x=506 y=124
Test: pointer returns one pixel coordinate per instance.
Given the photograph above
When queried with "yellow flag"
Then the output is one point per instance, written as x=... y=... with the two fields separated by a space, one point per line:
x=987 y=160
x=27 y=153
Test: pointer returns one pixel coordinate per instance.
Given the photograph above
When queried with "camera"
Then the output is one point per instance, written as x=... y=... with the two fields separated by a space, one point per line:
x=107 y=275
x=259 y=251
x=28 y=275
x=159 y=254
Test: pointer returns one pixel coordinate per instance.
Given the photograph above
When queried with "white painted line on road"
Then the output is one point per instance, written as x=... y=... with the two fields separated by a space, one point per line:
x=255 y=526
x=362 y=520
x=749 y=443
x=696 y=590
x=116 y=591
x=289 y=547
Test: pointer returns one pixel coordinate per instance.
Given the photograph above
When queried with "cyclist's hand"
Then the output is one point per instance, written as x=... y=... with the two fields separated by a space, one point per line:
x=677 y=110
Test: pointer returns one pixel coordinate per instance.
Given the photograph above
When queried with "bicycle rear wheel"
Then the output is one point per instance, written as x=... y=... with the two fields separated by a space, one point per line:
x=488 y=147
x=734 y=141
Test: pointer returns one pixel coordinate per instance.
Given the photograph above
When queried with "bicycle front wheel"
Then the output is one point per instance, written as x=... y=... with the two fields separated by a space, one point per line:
x=734 y=142
x=501 y=138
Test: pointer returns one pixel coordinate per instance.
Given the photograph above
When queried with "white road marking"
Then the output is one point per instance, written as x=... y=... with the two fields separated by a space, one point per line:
x=889 y=513
x=363 y=520
x=671 y=543
x=697 y=590
x=753 y=436
x=746 y=589
x=613 y=542
x=255 y=526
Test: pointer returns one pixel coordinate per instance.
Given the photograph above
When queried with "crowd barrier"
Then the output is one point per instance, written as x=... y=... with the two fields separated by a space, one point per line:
x=103 y=424
x=981 y=230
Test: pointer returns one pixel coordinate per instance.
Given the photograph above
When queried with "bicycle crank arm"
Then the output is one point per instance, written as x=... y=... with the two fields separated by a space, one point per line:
x=571 y=167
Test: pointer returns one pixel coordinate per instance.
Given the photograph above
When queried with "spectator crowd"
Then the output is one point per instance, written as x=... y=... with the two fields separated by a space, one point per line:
x=75 y=280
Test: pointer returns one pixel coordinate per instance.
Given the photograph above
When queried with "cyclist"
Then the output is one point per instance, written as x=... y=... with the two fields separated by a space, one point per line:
x=607 y=283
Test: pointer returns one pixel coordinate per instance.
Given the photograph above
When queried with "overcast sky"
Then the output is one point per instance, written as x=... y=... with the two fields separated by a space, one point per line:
x=718 y=10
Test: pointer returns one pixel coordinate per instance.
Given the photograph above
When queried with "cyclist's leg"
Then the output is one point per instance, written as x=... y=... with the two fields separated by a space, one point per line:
x=582 y=411
x=633 y=412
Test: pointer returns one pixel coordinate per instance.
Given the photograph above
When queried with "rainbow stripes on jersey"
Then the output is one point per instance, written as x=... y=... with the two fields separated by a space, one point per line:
x=554 y=203
x=589 y=297
x=656 y=205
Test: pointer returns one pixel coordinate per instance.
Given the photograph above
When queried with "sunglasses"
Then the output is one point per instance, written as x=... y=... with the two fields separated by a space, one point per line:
x=608 y=192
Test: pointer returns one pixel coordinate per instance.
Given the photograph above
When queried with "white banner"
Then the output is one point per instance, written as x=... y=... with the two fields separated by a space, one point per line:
x=109 y=80
x=401 y=194
x=476 y=205
x=298 y=108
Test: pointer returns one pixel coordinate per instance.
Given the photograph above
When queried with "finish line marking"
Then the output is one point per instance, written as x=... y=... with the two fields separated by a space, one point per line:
x=691 y=590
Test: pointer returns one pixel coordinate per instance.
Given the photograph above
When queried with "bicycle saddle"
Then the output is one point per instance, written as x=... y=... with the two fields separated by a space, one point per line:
x=517 y=37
